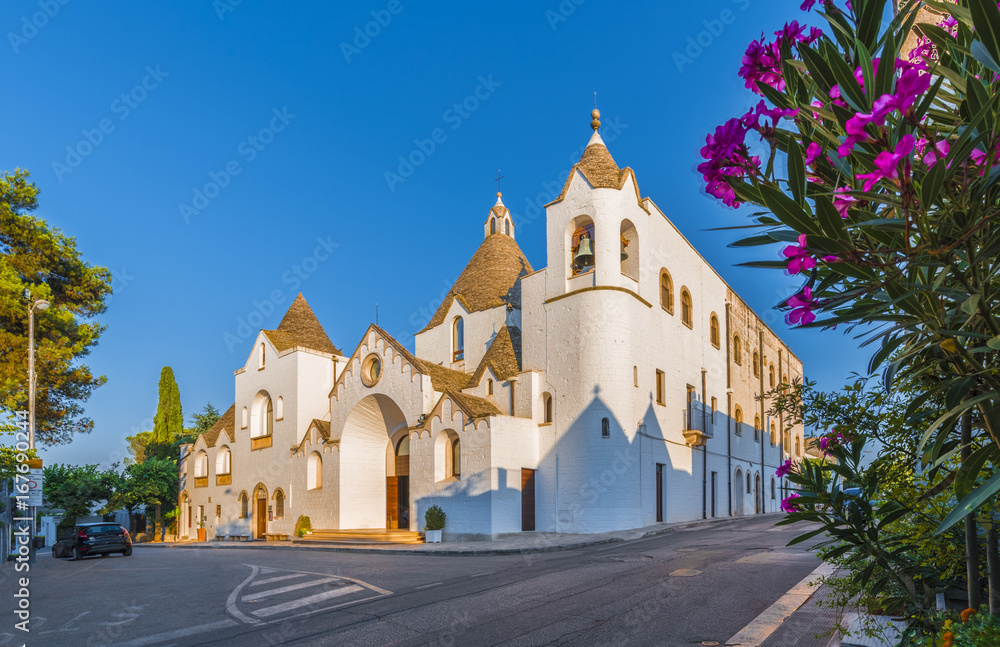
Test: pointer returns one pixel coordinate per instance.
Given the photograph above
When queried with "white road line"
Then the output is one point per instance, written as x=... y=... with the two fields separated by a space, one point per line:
x=482 y=574
x=312 y=599
x=764 y=625
x=176 y=633
x=286 y=589
x=277 y=579
x=427 y=586
x=231 y=601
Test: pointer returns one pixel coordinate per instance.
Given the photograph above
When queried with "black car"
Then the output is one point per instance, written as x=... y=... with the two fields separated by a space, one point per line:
x=93 y=539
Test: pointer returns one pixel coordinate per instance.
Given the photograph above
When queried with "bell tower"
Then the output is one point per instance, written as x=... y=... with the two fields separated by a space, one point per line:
x=498 y=221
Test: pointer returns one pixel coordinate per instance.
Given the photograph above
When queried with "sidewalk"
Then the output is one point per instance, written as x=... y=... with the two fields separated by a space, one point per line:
x=512 y=544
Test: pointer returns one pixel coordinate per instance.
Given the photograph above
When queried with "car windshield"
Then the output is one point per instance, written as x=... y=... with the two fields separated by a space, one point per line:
x=95 y=530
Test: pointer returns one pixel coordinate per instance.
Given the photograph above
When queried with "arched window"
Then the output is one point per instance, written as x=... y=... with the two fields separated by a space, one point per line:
x=244 y=506
x=279 y=408
x=314 y=472
x=246 y=419
x=748 y=482
x=581 y=245
x=201 y=465
x=756 y=427
x=737 y=350
x=798 y=446
x=666 y=291
x=456 y=458
x=629 y=242
x=506 y=226
x=261 y=355
x=738 y=416
x=687 y=308
x=756 y=364
x=714 y=331
x=489 y=387
x=224 y=461
x=770 y=376
x=457 y=339
x=772 y=489
x=279 y=504
x=546 y=408
x=262 y=416
x=774 y=435
x=788 y=445
x=493 y=225
x=605 y=428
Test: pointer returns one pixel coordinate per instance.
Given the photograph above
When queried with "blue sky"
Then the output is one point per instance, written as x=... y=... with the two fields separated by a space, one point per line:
x=219 y=157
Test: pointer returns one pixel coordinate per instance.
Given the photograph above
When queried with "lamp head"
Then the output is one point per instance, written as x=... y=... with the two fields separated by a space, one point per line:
x=41 y=304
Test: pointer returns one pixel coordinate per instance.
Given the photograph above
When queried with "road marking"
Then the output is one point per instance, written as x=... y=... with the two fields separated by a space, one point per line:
x=278 y=579
x=427 y=586
x=286 y=589
x=302 y=602
x=231 y=602
x=482 y=574
x=764 y=625
x=177 y=633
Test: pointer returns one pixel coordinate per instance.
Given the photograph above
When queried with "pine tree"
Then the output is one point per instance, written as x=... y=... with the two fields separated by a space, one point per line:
x=169 y=421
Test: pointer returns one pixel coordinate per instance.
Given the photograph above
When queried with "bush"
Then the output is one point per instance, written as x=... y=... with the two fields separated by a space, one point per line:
x=302 y=526
x=434 y=518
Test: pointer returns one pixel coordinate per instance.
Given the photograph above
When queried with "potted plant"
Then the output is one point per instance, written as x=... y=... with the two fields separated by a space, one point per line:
x=303 y=526
x=434 y=524
x=201 y=530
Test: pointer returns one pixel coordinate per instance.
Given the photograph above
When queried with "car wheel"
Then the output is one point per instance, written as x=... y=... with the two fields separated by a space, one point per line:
x=105 y=554
x=55 y=555
x=76 y=554
x=127 y=552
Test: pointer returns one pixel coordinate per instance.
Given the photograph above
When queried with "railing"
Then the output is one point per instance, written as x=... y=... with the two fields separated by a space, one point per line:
x=696 y=417
x=201 y=481
x=260 y=443
x=223 y=479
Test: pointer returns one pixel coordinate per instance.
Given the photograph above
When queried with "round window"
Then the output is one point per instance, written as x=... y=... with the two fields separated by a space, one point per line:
x=371 y=370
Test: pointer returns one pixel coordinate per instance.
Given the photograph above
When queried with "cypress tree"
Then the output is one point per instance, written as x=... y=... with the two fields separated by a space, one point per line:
x=169 y=421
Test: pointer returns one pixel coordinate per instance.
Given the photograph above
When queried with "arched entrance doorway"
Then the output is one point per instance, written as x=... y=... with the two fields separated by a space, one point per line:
x=259 y=512
x=738 y=493
x=757 y=502
x=397 y=483
x=368 y=464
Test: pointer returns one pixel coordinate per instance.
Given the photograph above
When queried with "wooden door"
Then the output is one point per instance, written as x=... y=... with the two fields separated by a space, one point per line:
x=527 y=499
x=392 y=502
x=261 y=518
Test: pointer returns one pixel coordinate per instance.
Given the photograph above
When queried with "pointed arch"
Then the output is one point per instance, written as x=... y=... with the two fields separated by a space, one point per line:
x=714 y=332
x=666 y=291
x=629 y=239
x=687 y=308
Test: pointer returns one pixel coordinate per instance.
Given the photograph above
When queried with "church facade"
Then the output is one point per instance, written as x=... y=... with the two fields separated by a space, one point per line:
x=618 y=387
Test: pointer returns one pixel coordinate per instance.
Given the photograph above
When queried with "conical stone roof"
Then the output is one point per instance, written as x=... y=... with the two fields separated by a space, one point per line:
x=300 y=327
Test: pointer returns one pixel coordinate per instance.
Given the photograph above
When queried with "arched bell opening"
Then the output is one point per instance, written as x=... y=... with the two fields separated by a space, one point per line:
x=629 y=241
x=582 y=257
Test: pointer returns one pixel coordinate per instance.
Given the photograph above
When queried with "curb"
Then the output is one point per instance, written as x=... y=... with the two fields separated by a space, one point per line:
x=584 y=543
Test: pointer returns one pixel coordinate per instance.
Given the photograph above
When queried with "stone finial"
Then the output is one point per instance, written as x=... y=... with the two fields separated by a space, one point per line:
x=596 y=116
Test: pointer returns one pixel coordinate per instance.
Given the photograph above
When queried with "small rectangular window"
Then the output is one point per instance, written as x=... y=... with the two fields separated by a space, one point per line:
x=605 y=428
x=660 y=391
x=714 y=407
x=218 y=511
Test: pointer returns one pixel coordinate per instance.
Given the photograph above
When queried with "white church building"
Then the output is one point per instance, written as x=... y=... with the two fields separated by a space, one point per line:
x=618 y=387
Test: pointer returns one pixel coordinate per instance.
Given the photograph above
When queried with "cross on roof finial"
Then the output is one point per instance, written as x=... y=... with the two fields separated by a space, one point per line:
x=499 y=177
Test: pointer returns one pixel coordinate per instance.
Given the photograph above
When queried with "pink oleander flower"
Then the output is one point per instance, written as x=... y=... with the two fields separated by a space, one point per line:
x=799 y=259
x=753 y=116
x=813 y=151
x=887 y=164
x=761 y=62
x=727 y=157
x=824 y=444
x=788 y=504
x=784 y=469
x=843 y=202
x=801 y=306
x=936 y=152
x=807 y=5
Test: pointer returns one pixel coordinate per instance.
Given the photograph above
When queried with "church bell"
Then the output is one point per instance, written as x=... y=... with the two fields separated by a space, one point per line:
x=584 y=253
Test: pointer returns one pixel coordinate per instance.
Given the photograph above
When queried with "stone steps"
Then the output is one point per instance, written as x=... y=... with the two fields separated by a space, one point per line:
x=361 y=536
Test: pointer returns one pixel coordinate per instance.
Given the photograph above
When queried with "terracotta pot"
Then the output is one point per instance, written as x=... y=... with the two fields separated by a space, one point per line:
x=201 y=534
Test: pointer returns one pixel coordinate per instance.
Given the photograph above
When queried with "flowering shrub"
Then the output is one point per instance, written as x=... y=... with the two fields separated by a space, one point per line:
x=877 y=167
x=969 y=629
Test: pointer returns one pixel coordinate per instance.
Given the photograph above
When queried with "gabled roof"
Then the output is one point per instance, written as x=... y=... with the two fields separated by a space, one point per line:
x=503 y=356
x=225 y=423
x=322 y=427
x=601 y=171
x=442 y=378
x=473 y=406
x=489 y=280
x=300 y=328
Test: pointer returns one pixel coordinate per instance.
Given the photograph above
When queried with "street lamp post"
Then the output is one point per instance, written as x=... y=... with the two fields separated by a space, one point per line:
x=38 y=304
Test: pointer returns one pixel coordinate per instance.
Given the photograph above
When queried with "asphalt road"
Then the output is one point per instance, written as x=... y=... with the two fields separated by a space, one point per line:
x=681 y=588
